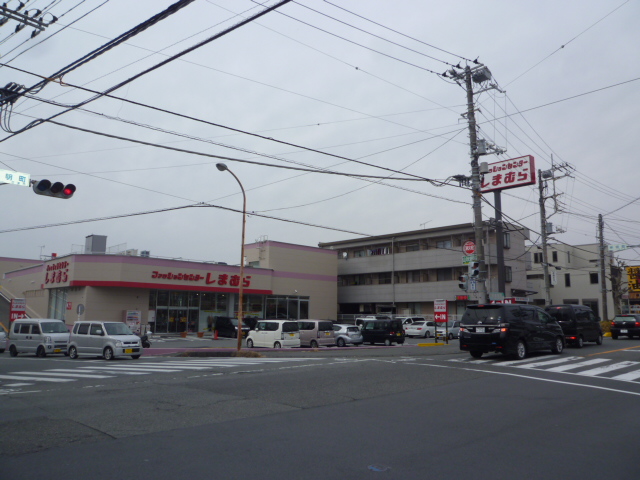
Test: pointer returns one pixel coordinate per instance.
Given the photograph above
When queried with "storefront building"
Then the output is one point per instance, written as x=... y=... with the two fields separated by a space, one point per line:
x=170 y=296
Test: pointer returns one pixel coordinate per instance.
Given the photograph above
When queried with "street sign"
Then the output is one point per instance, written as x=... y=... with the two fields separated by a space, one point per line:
x=617 y=248
x=473 y=285
x=15 y=178
x=511 y=173
x=469 y=247
x=440 y=313
x=496 y=296
x=18 y=309
x=467 y=259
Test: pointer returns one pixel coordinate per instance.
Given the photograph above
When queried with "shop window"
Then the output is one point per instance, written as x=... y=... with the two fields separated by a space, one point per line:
x=592 y=304
x=178 y=299
x=153 y=299
x=163 y=298
x=593 y=278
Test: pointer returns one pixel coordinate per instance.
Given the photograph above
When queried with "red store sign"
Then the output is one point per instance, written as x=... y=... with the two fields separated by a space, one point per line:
x=57 y=273
x=221 y=279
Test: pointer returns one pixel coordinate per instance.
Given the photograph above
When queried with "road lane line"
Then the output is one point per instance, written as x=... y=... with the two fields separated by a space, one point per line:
x=35 y=379
x=607 y=368
x=61 y=374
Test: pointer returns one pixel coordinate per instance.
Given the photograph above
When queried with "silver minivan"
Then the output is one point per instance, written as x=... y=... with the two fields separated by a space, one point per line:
x=316 y=333
x=103 y=339
x=42 y=336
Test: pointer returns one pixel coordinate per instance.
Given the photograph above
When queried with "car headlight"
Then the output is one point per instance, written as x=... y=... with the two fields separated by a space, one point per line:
x=47 y=340
x=118 y=343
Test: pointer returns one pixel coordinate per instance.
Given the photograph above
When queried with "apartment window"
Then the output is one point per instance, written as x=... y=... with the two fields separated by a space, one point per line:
x=413 y=276
x=554 y=256
x=378 y=251
x=593 y=278
x=413 y=247
x=384 y=278
x=567 y=279
x=508 y=274
x=359 y=253
x=444 y=274
x=507 y=240
x=444 y=244
x=537 y=257
x=568 y=257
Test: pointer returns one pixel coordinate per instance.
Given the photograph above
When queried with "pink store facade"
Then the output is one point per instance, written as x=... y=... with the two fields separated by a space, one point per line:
x=281 y=280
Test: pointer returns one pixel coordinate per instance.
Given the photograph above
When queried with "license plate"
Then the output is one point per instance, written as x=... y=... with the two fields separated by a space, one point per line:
x=399 y=334
x=479 y=329
x=326 y=334
x=57 y=350
x=292 y=335
x=623 y=331
x=128 y=350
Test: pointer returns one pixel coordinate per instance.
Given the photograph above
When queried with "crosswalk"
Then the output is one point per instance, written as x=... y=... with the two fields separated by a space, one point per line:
x=626 y=371
x=100 y=370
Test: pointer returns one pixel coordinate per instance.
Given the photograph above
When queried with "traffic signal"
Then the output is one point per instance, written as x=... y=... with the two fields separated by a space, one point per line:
x=474 y=269
x=463 y=281
x=57 y=189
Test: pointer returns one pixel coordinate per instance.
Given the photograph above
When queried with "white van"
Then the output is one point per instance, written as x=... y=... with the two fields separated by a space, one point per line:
x=274 y=334
x=42 y=336
x=103 y=339
x=316 y=333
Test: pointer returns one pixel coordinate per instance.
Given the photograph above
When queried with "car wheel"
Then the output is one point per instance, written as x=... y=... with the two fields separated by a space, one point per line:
x=580 y=342
x=277 y=345
x=450 y=336
x=558 y=346
x=41 y=352
x=521 y=350
x=73 y=353
x=13 y=351
x=108 y=353
x=599 y=339
x=341 y=342
x=387 y=342
x=427 y=334
x=135 y=357
x=475 y=353
x=249 y=343
x=313 y=344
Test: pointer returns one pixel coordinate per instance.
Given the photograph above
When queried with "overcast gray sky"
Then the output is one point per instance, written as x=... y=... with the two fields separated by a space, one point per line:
x=355 y=79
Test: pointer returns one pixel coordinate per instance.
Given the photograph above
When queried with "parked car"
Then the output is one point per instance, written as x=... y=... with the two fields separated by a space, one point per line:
x=347 y=335
x=316 y=333
x=274 y=334
x=509 y=329
x=451 y=330
x=103 y=339
x=3 y=339
x=424 y=329
x=383 y=331
x=578 y=322
x=42 y=336
x=228 y=327
x=408 y=321
x=625 y=326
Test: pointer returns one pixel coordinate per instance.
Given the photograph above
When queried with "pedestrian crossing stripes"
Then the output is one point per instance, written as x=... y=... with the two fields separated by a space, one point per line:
x=595 y=367
x=99 y=369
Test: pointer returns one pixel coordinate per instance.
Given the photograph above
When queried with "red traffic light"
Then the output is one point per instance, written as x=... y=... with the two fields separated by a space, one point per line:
x=57 y=189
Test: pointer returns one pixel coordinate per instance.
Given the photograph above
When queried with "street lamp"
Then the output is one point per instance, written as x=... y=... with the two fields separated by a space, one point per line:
x=222 y=167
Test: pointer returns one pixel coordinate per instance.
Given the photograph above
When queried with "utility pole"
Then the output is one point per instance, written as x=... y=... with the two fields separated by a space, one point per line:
x=603 y=279
x=476 y=194
x=543 y=234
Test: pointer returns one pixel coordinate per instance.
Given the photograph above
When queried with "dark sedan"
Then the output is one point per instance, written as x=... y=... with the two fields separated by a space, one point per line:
x=625 y=326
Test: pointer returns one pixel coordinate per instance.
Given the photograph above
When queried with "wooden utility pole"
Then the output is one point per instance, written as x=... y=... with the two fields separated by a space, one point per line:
x=603 y=278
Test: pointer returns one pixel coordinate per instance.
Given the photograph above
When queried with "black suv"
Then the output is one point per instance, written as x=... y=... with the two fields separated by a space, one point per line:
x=578 y=322
x=228 y=327
x=509 y=329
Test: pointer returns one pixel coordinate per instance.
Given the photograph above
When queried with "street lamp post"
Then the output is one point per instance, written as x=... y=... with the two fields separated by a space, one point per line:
x=222 y=167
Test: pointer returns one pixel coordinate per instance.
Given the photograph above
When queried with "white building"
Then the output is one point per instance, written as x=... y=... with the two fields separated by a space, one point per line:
x=574 y=272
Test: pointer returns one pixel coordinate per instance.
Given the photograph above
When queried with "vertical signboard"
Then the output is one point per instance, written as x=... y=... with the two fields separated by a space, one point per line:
x=18 y=309
x=132 y=318
x=440 y=313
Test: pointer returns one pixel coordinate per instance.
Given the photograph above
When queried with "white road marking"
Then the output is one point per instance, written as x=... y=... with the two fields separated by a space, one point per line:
x=35 y=379
x=586 y=363
x=58 y=373
x=607 y=368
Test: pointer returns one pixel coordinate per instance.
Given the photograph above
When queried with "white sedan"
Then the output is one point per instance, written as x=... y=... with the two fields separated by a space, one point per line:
x=425 y=329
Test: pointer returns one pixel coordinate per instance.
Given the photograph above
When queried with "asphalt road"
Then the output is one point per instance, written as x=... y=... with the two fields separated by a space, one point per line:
x=353 y=413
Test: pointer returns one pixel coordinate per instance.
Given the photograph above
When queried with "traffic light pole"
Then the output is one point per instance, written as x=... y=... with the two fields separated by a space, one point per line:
x=475 y=188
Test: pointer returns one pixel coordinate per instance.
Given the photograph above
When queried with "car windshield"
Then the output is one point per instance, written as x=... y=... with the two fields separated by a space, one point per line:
x=489 y=315
x=117 y=329
x=290 y=327
x=54 y=327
